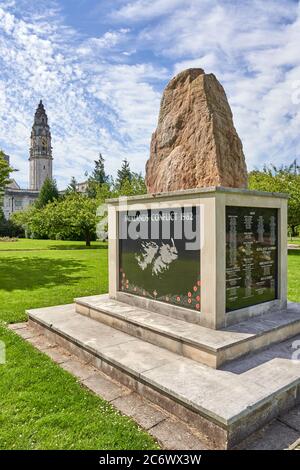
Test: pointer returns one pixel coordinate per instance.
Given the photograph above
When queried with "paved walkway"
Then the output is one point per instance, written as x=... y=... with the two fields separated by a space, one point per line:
x=169 y=431
x=293 y=247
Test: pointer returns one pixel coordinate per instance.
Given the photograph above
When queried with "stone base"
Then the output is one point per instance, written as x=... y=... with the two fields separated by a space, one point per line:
x=224 y=405
x=210 y=347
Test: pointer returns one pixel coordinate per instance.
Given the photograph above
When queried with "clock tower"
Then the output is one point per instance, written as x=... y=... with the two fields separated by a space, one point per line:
x=40 y=150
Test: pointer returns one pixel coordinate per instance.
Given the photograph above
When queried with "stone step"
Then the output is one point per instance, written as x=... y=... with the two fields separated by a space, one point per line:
x=224 y=405
x=204 y=345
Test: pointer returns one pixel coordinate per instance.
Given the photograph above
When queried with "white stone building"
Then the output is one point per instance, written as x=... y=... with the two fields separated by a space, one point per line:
x=82 y=187
x=40 y=166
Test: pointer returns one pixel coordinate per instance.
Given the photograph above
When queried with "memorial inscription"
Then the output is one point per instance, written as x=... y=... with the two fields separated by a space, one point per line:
x=251 y=256
x=159 y=255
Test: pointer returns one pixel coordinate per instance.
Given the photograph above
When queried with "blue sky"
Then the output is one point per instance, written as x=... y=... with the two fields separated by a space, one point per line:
x=101 y=66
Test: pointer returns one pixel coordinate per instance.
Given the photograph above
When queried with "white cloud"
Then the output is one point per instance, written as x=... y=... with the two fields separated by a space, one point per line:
x=206 y=62
x=143 y=9
x=102 y=91
x=93 y=105
x=253 y=49
x=108 y=40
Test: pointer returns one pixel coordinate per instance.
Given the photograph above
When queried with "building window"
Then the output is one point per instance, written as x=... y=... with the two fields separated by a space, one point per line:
x=18 y=203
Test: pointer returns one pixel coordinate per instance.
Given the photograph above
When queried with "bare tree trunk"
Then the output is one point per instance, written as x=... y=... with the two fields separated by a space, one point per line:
x=294 y=230
x=88 y=239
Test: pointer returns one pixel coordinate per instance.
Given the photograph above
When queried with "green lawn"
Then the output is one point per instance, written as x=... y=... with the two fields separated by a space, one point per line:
x=40 y=272
x=294 y=241
x=294 y=275
x=42 y=406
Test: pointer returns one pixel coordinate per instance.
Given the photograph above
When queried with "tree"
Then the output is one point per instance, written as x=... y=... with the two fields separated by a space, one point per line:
x=283 y=179
x=48 y=193
x=104 y=192
x=9 y=229
x=99 y=175
x=133 y=187
x=72 y=188
x=72 y=217
x=124 y=174
x=32 y=221
x=5 y=171
x=97 y=178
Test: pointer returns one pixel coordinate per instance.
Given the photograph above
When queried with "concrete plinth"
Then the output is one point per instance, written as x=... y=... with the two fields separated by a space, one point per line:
x=225 y=405
x=210 y=347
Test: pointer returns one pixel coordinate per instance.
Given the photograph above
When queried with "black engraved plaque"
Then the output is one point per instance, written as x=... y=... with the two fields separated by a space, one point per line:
x=159 y=255
x=251 y=256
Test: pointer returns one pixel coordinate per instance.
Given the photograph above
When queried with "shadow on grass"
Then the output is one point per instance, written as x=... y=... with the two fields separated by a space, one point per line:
x=294 y=251
x=78 y=247
x=29 y=274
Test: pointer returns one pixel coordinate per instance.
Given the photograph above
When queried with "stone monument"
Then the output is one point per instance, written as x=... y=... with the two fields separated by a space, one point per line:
x=197 y=281
x=210 y=256
x=195 y=143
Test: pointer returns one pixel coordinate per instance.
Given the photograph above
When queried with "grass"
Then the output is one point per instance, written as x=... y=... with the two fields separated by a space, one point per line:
x=23 y=244
x=48 y=273
x=43 y=406
x=294 y=241
x=294 y=275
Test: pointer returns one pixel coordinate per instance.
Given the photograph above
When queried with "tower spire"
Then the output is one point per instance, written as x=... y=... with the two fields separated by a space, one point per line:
x=40 y=149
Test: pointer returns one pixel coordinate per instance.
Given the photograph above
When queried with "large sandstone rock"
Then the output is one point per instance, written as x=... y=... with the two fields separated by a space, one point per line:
x=195 y=143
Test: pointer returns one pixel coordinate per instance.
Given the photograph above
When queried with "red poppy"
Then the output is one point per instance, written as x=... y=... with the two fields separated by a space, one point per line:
x=178 y=298
x=195 y=288
x=189 y=301
x=189 y=294
x=198 y=298
x=198 y=306
x=198 y=283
